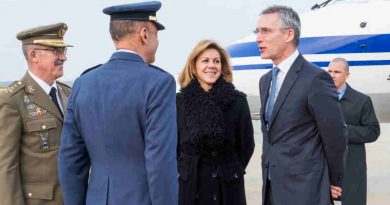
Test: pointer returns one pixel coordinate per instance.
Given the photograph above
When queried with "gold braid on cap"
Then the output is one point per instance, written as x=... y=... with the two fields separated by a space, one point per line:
x=48 y=41
x=152 y=18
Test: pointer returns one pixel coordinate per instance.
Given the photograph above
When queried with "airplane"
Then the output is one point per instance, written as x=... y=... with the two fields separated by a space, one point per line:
x=357 y=30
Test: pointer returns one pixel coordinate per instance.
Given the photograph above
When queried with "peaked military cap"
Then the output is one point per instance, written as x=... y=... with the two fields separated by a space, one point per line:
x=48 y=35
x=142 y=11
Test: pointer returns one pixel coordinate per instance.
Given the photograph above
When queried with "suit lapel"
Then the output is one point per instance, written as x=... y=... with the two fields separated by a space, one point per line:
x=289 y=80
x=348 y=95
x=39 y=97
x=63 y=97
x=265 y=84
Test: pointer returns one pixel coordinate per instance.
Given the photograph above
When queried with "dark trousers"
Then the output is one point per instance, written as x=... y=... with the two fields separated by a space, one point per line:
x=268 y=194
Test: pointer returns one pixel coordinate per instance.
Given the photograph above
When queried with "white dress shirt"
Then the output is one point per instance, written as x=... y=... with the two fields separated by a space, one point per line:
x=284 y=67
x=47 y=87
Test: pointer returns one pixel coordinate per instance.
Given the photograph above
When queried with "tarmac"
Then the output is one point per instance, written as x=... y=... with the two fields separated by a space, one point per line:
x=378 y=169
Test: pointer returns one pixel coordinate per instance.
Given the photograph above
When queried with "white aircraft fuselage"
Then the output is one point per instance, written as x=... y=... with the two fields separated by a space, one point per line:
x=358 y=31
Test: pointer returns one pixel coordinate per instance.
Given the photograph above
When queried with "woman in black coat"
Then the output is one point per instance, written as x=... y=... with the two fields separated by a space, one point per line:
x=215 y=133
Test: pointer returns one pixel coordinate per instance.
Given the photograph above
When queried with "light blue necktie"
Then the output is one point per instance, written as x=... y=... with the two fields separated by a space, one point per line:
x=271 y=96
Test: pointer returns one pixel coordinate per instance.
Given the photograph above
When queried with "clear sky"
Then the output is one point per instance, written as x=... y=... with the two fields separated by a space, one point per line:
x=186 y=22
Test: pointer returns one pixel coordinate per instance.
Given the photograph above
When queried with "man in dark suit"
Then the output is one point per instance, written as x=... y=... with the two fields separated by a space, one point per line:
x=304 y=136
x=363 y=127
x=119 y=138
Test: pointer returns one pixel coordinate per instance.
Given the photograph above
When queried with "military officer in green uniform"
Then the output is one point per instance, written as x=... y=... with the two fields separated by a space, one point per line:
x=31 y=115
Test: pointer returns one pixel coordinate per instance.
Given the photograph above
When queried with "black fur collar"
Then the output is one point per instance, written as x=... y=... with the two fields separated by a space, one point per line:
x=204 y=112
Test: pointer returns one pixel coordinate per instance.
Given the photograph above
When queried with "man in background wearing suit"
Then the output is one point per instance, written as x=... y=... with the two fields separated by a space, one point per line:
x=363 y=127
x=31 y=114
x=304 y=136
x=119 y=140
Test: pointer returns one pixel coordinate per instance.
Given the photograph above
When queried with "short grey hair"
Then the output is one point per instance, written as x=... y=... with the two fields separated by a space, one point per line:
x=288 y=17
x=26 y=49
x=342 y=60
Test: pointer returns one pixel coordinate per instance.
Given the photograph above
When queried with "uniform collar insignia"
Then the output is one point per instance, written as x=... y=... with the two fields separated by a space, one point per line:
x=30 y=89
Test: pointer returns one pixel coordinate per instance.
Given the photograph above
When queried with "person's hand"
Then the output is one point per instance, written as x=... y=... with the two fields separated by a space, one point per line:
x=335 y=191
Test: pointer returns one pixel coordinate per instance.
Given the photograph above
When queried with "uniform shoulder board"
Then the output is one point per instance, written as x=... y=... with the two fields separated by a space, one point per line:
x=89 y=69
x=13 y=88
x=155 y=67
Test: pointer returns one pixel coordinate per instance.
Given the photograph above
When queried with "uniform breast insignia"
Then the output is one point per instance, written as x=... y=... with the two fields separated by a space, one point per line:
x=44 y=141
x=33 y=110
x=26 y=100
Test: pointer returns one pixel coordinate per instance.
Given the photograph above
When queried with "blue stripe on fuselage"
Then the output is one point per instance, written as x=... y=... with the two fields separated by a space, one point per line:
x=320 y=64
x=324 y=45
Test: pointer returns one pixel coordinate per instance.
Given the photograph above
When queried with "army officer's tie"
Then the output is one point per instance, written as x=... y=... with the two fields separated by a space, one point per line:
x=53 y=95
x=271 y=96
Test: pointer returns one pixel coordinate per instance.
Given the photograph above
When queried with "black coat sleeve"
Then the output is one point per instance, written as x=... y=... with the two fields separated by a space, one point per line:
x=368 y=130
x=244 y=137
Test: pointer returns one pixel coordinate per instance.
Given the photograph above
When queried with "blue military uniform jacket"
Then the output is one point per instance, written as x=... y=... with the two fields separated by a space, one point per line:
x=119 y=137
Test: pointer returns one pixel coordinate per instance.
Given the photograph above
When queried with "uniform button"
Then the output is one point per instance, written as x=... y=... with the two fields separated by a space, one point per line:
x=214 y=175
x=19 y=82
x=43 y=127
x=29 y=194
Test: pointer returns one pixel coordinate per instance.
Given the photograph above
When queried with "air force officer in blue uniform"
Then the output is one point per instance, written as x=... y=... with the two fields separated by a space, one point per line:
x=119 y=137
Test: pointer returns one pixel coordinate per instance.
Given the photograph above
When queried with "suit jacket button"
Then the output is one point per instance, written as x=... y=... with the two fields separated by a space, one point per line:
x=214 y=175
x=29 y=194
x=236 y=175
x=215 y=197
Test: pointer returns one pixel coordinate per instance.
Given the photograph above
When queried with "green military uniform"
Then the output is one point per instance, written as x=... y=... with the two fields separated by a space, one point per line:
x=30 y=132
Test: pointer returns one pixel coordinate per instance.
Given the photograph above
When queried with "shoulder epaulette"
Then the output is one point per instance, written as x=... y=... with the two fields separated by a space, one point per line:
x=13 y=88
x=90 y=69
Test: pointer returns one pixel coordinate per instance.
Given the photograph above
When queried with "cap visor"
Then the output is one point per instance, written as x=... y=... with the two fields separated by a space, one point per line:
x=159 y=26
